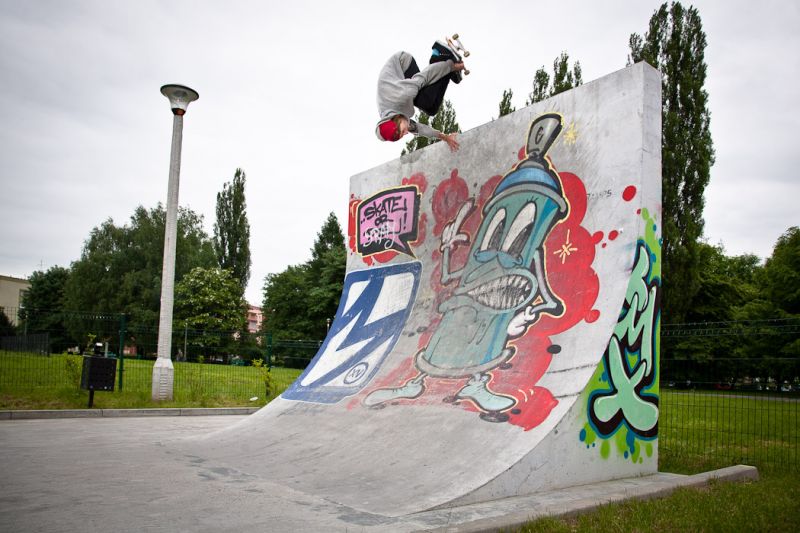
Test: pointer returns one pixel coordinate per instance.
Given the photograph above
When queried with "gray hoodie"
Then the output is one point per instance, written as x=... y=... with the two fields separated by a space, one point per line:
x=396 y=93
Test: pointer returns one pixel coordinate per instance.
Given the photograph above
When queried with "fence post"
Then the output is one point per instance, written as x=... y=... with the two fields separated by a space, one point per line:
x=269 y=351
x=121 y=352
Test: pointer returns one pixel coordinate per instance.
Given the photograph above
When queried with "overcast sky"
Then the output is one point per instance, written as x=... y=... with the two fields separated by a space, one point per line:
x=287 y=92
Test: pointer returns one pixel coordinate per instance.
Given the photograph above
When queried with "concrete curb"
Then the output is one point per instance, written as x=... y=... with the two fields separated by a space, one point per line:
x=120 y=413
x=574 y=501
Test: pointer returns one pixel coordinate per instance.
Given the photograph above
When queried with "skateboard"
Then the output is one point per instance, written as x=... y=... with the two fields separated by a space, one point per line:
x=457 y=47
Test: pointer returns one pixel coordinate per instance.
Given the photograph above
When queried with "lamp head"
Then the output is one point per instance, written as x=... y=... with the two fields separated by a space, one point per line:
x=179 y=97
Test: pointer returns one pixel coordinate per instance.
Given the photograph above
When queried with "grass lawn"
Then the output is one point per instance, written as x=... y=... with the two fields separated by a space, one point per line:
x=700 y=432
x=52 y=382
x=770 y=504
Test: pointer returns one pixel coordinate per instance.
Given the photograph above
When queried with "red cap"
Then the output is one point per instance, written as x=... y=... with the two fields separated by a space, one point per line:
x=389 y=131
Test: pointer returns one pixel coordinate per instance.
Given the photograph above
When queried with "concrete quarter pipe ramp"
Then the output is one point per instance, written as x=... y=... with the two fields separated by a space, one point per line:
x=498 y=328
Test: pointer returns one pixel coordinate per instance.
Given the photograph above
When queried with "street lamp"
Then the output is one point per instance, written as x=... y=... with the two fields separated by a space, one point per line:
x=163 y=372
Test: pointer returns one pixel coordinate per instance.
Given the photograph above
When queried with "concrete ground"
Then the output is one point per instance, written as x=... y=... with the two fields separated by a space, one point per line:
x=125 y=474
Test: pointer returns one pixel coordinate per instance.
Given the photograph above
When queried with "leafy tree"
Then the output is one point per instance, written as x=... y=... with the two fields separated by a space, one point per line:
x=771 y=343
x=782 y=273
x=232 y=230
x=326 y=271
x=286 y=303
x=7 y=329
x=675 y=44
x=564 y=79
x=444 y=121
x=299 y=301
x=43 y=303
x=505 y=107
x=209 y=302
x=120 y=267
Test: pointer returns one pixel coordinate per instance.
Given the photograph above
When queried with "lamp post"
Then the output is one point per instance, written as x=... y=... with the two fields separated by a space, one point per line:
x=163 y=372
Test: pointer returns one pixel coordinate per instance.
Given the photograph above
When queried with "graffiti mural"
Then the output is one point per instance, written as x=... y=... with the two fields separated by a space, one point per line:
x=493 y=284
x=388 y=221
x=372 y=312
x=623 y=399
x=401 y=228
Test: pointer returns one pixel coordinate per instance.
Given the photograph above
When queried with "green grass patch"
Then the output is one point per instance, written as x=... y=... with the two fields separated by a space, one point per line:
x=30 y=381
x=700 y=431
x=770 y=504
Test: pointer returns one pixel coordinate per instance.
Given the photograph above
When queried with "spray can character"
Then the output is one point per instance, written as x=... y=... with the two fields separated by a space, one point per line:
x=503 y=286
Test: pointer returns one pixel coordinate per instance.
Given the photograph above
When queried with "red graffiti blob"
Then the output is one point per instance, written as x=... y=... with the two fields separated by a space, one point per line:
x=568 y=254
x=417 y=179
x=629 y=193
x=612 y=235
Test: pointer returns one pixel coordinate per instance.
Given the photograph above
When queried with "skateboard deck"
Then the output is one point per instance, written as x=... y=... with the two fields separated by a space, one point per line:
x=458 y=48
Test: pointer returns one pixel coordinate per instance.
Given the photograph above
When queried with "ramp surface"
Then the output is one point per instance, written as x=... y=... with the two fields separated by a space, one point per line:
x=498 y=329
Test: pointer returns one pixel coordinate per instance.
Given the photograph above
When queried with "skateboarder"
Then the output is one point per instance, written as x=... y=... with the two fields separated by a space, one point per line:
x=401 y=86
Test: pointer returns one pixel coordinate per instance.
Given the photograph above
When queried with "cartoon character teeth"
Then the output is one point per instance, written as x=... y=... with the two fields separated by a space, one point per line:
x=503 y=287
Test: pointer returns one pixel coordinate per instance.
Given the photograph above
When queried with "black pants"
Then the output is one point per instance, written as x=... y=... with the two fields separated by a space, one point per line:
x=430 y=98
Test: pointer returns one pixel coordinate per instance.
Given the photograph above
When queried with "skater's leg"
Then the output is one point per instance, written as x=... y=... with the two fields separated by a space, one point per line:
x=430 y=98
x=411 y=69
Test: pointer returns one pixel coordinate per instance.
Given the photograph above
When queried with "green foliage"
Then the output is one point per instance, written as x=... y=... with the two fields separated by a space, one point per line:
x=42 y=304
x=209 y=301
x=299 y=301
x=232 y=230
x=444 y=121
x=505 y=107
x=564 y=79
x=265 y=373
x=675 y=44
x=120 y=267
x=7 y=329
x=73 y=368
x=782 y=273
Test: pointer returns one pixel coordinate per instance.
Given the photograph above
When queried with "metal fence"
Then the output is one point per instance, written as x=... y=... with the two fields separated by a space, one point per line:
x=713 y=409
x=211 y=367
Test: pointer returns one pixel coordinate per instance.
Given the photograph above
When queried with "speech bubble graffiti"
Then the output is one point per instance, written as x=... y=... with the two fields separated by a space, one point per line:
x=388 y=221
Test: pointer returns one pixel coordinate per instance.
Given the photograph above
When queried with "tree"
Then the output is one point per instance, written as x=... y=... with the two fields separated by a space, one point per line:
x=675 y=44
x=326 y=271
x=232 y=230
x=564 y=79
x=43 y=305
x=505 y=104
x=299 y=301
x=782 y=273
x=119 y=270
x=772 y=343
x=444 y=121
x=286 y=303
x=7 y=329
x=209 y=302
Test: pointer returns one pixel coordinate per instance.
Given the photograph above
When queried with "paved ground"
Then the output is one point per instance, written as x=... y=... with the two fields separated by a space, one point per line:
x=126 y=474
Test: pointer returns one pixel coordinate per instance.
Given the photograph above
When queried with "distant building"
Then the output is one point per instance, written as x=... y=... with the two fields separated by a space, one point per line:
x=254 y=318
x=11 y=291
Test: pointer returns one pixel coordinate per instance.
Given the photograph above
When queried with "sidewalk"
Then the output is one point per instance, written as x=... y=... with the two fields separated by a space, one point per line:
x=120 y=413
x=128 y=473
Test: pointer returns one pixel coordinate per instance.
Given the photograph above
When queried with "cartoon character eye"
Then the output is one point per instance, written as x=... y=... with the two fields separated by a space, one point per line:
x=494 y=233
x=520 y=230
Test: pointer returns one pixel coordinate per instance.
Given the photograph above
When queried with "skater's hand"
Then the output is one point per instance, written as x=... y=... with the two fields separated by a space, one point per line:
x=450 y=233
x=458 y=66
x=451 y=141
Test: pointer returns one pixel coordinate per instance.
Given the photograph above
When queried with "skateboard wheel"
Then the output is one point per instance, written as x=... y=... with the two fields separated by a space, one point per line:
x=455 y=36
x=466 y=54
x=466 y=72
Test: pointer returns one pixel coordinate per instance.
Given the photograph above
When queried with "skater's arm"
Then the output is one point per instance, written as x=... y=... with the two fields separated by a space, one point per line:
x=426 y=131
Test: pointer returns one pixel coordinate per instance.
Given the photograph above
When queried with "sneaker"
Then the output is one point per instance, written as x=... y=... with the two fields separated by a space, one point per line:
x=442 y=52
